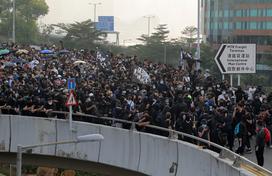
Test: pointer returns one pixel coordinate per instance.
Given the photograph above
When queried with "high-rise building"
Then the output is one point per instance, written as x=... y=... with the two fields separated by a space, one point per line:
x=239 y=21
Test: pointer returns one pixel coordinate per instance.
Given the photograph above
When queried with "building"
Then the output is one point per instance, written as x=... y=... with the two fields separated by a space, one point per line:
x=239 y=21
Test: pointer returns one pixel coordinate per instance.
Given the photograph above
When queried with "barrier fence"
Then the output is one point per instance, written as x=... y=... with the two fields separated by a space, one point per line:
x=238 y=160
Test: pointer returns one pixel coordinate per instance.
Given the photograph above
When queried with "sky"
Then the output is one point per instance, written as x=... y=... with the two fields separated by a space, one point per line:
x=129 y=14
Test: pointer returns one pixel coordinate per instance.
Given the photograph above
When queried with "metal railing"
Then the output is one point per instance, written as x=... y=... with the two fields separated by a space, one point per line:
x=237 y=159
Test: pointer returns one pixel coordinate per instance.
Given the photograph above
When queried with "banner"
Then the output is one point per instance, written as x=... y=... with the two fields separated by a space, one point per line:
x=103 y=59
x=141 y=75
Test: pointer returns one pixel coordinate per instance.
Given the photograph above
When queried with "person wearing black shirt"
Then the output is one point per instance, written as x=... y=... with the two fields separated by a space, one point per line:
x=260 y=143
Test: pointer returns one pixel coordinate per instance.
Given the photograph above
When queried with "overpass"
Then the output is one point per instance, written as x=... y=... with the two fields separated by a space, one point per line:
x=123 y=152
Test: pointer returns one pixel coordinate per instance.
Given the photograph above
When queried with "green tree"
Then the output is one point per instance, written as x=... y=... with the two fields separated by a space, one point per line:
x=154 y=46
x=46 y=32
x=189 y=34
x=27 y=13
x=81 y=34
x=158 y=37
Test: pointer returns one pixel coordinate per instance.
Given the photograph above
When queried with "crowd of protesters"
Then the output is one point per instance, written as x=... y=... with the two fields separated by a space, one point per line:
x=186 y=100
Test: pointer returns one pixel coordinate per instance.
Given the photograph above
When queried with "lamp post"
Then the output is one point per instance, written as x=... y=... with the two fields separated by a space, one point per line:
x=95 y=4
x=148 y=23
x=126 y=41
x=14 y=21
x=198 y=36
x=85 y=138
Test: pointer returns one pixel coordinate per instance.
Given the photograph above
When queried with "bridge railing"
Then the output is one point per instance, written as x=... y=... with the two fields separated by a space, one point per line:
x=224 y=152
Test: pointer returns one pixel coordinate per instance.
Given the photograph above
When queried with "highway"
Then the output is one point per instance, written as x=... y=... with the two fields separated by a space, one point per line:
x=267 y=155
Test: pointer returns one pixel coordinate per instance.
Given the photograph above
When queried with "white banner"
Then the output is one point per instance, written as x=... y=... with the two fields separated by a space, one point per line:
x=141 y=75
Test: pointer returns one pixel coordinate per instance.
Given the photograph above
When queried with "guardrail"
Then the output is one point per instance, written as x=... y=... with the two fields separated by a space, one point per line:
x=237 y=159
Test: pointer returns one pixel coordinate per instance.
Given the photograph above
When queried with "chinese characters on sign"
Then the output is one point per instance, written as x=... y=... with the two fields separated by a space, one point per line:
x=236 y=58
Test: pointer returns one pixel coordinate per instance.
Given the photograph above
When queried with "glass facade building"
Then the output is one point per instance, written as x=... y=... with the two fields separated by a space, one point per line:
x=239 y=21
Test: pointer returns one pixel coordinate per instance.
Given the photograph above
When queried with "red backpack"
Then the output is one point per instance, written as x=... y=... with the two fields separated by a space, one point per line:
x=267 y=135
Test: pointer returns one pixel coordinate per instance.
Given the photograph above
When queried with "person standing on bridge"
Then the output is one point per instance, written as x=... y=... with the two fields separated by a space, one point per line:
x=260 y=143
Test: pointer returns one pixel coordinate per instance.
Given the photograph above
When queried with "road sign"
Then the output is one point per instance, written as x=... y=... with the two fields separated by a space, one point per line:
x=236 y=58
x=105 y=23
x=71 y=84
x=71 y=100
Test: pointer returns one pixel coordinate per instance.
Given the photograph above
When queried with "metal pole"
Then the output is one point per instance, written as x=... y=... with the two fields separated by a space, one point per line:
x=19 y=161
x=10 y=170
x=14 y=22
x=94 y=12
x=70 y=117
x=231 y=80
x=164 y=53
x=239 y=80
x=149 y=26
x=198 y=35
x=95 y=4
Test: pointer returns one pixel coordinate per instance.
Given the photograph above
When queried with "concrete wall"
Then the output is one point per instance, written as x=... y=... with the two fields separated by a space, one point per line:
x=144 y=153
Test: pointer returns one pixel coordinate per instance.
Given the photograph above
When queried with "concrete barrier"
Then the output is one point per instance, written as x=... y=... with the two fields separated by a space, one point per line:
x=122 y=150
x=5 y=134
x=84 y=151
x=32 y=130
x=158 y=154
x=131 y=150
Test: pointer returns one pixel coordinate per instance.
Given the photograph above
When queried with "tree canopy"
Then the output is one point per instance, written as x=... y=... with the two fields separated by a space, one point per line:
x=81 y=34
x=189 y=35
x=27 y=13
x=158 y=37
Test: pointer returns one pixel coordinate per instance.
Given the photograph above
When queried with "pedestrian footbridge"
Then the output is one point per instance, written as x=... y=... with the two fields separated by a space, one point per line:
x=122 y=152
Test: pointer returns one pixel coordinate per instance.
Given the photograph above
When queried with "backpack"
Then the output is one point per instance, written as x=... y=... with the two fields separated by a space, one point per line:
x=237 y=129
x=267 y=135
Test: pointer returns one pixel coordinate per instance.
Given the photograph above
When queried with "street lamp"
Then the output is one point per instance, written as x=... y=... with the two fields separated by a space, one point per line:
x=13 y=20
x=198 y=36
x=95 y=4
x=85 y=138
x=148 y=23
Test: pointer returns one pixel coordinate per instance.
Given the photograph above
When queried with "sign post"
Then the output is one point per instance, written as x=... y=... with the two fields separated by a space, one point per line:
x=236 y=59
x=231 y=80
x=70 y=118
x=239 y=80
x=71 y=100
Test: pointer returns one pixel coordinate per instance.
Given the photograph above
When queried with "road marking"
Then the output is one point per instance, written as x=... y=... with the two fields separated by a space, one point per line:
x=253 y=170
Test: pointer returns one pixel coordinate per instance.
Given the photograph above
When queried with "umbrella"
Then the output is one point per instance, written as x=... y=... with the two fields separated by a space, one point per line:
x=35 y=47
x=80 y=62
x=47 y=52
x=22 y=51
x=64 y=51
x=9 y=64
x=4 y=51
x=18 y=60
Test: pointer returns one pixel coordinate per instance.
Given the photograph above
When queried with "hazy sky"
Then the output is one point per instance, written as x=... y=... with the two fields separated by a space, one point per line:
x=128 y=14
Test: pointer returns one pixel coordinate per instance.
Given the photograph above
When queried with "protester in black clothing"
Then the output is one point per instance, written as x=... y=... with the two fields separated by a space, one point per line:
x=260 y=143
x=204 y=132
x=240 y=95
x=171 y=97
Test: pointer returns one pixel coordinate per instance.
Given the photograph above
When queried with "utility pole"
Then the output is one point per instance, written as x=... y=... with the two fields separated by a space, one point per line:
x=148 y=23
x=95 y=4
x=14 y=21
x=165 y=54
x=198 y=35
